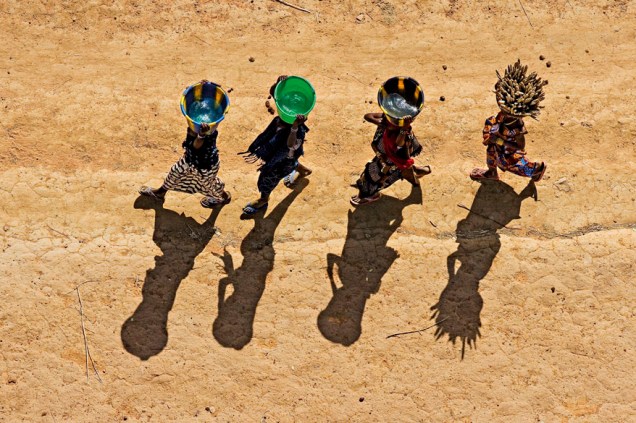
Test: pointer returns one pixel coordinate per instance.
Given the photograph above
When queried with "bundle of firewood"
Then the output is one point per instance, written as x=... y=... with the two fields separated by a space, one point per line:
x=519 y=94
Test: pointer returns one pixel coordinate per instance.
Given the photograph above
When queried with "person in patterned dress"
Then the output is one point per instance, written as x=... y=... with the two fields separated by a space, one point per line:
x=196 y=171
x=394 y=149
x=504 y=136
x=518 y=94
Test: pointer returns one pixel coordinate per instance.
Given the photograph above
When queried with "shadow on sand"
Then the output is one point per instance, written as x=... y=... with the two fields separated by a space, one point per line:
x=457 y=313
x=364 y=260
x=180 y=239
x=233 y=326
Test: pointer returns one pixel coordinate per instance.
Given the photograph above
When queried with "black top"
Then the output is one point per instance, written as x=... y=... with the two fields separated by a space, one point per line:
x=206 y=156
x=271 y=145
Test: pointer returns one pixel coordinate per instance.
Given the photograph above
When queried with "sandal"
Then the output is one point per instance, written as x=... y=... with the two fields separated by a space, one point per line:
x=357 y=201
x=539 y=175
x=479 y=174
x=149 y=192
x=211 y=202
x=291 y=179
x=250 y=209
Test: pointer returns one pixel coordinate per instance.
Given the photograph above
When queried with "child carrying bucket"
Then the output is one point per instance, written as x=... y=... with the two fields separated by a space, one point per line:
x=394 y=143
x=280 y=146
x=204 y=105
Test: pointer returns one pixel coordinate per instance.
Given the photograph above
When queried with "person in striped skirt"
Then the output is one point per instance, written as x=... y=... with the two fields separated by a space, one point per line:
x=196 y=171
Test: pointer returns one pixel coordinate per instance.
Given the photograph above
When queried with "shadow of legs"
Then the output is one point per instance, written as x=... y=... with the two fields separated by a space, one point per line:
x=457 y=313
x=181 y=239
x=364 y=260
x=233 y=326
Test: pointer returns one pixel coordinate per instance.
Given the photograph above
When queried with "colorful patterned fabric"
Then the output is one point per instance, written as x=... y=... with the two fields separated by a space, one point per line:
x=514 y=163
x=503 y=150
x=373 y=179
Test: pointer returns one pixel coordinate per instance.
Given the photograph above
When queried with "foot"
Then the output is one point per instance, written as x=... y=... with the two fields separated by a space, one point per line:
x=540 y=172
x=155 y=193
x=211 y=202
x=421 y=170
x=291 y=179
x=481 y=174
x=358 y=201
x=254 y=207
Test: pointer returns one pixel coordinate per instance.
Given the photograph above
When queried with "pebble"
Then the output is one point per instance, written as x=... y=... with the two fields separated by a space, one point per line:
x=252 y=59
x=561 y=181
x=442 y=98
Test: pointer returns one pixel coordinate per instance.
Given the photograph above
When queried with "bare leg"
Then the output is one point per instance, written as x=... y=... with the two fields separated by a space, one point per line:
x=303 y=170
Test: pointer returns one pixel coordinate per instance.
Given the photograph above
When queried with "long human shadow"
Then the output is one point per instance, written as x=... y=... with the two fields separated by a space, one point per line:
x=233 y=326
x=365 y=259
x=457 y=313
x=181 y=239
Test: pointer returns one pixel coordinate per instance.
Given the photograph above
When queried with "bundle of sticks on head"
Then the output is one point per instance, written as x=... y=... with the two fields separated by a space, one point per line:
x=519 y=94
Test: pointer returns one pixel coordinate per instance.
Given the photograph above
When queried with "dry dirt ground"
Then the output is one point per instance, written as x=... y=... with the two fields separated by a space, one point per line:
x=196 y=316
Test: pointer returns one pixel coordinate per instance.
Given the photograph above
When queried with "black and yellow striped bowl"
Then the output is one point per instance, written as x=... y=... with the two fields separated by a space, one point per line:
x=408 y=88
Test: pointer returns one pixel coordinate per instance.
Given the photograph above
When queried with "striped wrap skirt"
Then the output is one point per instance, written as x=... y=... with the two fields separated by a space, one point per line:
x=185 y=177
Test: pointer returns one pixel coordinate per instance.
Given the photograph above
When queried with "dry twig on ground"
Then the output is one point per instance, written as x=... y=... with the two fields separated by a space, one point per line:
x=417 y=331
x=292 y=6
x=87 y=351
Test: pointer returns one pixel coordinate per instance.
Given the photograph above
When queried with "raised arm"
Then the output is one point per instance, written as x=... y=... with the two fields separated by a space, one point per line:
x=291 y=139
x=273 y=87
x=374 y=118
x=199 y=141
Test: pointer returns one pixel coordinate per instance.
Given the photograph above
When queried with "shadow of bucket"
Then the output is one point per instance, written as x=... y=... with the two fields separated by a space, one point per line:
x=293 y=96
x=410 y=90
x=200 y=92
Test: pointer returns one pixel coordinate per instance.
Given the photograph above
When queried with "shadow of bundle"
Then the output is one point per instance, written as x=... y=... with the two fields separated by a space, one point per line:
x=519 y=94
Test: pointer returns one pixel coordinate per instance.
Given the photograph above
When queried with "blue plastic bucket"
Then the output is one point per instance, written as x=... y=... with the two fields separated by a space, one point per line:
x=204 y=102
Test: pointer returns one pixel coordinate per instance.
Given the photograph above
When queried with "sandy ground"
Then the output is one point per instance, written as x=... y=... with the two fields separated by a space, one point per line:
x=192 y=316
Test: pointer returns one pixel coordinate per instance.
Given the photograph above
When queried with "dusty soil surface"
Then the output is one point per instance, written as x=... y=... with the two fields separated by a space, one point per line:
x=196 y=316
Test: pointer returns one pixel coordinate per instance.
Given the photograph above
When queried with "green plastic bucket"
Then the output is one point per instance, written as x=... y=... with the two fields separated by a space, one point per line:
x=294 y=96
